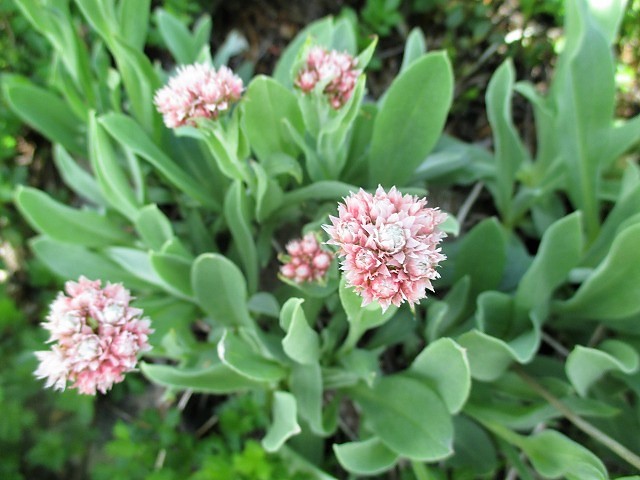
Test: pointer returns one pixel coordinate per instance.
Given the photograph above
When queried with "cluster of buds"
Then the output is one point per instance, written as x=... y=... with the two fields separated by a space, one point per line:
x=335 y=71
x=96 y=337
x=197 y=91
x=388 y=244
x=305 y=260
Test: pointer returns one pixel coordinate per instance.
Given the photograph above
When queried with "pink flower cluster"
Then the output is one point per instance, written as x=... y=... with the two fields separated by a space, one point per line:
x=335 y=70
x=389 y=245
x=306 y=261
x=197 y=91
x=96 y=336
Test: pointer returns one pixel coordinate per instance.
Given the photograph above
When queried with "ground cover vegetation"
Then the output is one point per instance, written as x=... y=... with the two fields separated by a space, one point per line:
x=396 y=242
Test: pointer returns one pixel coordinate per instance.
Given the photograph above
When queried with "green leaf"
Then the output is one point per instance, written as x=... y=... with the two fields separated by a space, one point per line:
x=608 y=18
x=612 y=291
x=240 y=356
x=70 y=261
x=364 y=364
x=585 y=365
x=414 y=48
x=444 y=363
x=284 y=424
x=510 y=154
x=489 y=357
x=141 y=82
x=75 y=177
x=67 y=224
x=269 y=195
x=176 y=37
x=45 y=112
x=222 y=142
x=264 y=303
x=233 y=44
x=474 y=448
x=56 y=25
x=173 y=269
x=443 y=315
x=301 y=343
x=264 y=106
x=238 y=217
x=406 y=431
x=482 y=256
x=153 y=227
x=101 y=16
x=138 y=263
x=554 y=455
x=368 y=457
x=403 y=134
x=584 y=120
x=560 y=250
x=220 y=290
x=623 y=210
x=125 y=130
x=215 y=379
x=133 y=22
x=344 y=37
x=307 y=386
x=323 y=190
x=111 y=177
x=624 y=135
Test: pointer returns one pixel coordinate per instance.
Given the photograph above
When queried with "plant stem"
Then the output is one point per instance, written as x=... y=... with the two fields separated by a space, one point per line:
x=468 y=203
x=351 y=341
x=598 y=435
x=419 y=470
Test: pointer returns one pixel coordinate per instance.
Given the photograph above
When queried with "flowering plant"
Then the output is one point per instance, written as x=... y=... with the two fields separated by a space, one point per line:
x=97 y=336
x=193 y=213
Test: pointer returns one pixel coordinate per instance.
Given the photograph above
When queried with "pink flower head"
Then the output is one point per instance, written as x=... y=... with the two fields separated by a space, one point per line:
x=335 y=70
x=96 y=336
x=388 y=243
x=305 y=260
x=197 y=91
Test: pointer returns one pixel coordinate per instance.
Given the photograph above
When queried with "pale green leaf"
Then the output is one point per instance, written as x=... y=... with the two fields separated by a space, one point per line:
x=560 y=250
x=301 y=343
x=241 y=357
x=554 y=455
x=71 y=261
x=75 y=177
x=585 y=366
x=411 y=120
x=153 y=227
x=409 y=432
x=213 y=379
x=444 y=363
x=284 y=423
x=265 y=104
x=612 y=291
x=45 y=112
x=414 y=48
x=238 y=216
x=509 y=151
x=220 y=290
x=66 y=224
x=368 y=457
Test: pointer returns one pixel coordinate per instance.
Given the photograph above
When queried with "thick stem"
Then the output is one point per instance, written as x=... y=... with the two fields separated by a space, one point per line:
x=598 y=435
x=420 y=471
x=352 y=339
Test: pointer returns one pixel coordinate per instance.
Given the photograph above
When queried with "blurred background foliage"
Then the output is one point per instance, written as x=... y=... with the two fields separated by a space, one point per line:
x=139 y=434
